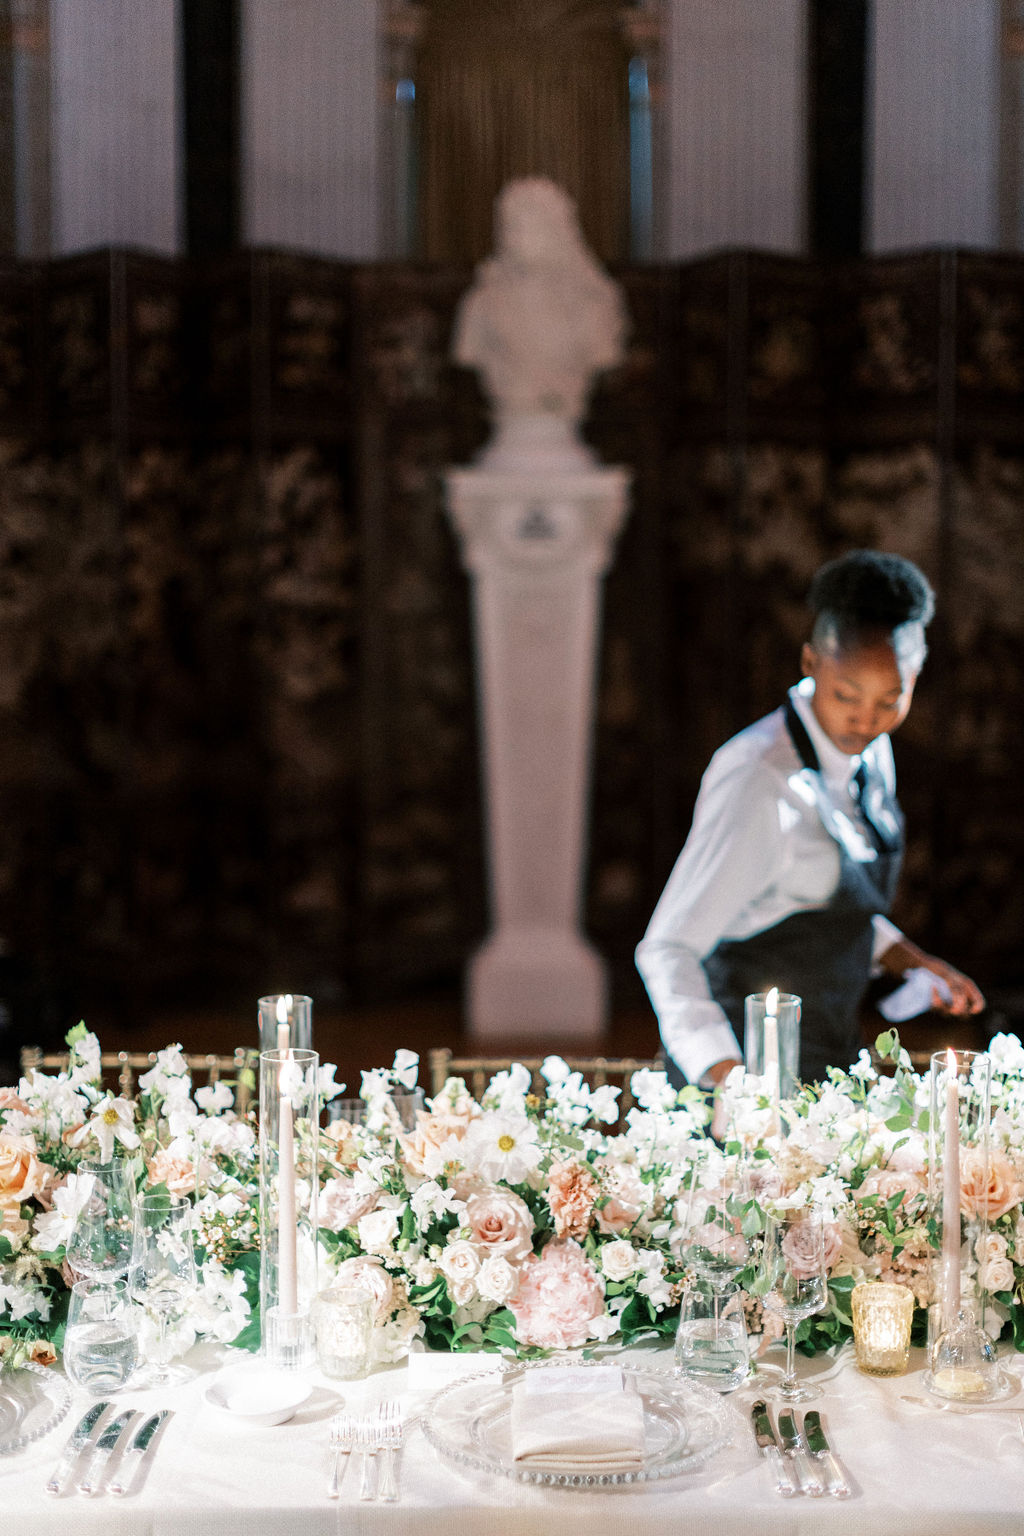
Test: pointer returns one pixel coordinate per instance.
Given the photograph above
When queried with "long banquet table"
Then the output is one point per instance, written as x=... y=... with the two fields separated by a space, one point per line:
x=916 y=1471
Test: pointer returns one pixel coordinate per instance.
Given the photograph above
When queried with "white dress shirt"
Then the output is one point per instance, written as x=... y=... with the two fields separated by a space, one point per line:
x=757 y=853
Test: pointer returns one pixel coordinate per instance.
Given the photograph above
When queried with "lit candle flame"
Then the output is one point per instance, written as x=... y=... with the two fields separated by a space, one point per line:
x=771 y=1003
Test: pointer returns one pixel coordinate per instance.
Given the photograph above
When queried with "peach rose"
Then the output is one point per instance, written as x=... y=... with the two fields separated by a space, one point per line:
x=444 y=1123
x=559 y=1297
x=992 y=1196
x=626 y=1196
x=22 y=1175
x=500 y=1223
x=176 y=1172
x=12 y=1222
x=571 y=1192
x=9 y=1100
x=42 y=1352
x=341 y=1206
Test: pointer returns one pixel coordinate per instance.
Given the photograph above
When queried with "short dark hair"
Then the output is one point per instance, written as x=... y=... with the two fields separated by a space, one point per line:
x=867 y=594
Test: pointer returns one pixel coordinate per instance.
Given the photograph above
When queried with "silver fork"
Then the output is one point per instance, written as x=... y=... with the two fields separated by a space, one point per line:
x=391 y=1429
x=343 y=1435
x=370 y=1443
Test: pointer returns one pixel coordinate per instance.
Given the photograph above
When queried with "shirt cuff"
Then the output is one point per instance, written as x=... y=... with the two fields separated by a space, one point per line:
x=697 y=1036
x=886 y=935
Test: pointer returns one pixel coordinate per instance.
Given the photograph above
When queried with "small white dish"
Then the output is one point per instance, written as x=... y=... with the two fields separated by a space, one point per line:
x=257 y=1395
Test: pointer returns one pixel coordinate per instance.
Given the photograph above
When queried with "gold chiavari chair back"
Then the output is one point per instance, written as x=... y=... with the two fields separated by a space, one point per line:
x=124 y=1067
x=477 y=1071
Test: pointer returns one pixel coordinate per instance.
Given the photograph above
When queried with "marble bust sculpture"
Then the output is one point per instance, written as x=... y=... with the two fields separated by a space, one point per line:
x=540 y=320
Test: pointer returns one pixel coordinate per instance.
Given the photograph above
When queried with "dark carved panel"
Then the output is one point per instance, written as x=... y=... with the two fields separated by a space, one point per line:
x=422 y=899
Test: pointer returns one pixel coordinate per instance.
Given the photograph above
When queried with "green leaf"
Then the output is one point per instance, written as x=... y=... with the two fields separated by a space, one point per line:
x=79 y=1032
x=637 y=1316
x=887 y=1044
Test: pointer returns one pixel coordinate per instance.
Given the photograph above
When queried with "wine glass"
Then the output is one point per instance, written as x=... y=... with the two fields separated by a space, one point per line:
x=791 y=1281
x=162 y=1272
x=100 y=1242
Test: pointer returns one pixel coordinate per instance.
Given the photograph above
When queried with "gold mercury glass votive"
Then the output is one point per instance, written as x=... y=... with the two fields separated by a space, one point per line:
x=882 y=1315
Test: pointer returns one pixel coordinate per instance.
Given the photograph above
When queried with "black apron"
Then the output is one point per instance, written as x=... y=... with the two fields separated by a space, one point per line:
x=823 y=955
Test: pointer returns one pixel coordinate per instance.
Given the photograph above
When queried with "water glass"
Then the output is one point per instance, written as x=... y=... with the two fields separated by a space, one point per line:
x=101 y=1346
x=343 y=1318
x=100 y=1242
x=711 y=1339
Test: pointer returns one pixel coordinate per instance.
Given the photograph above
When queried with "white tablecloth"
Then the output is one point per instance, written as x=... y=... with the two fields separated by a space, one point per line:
x=917 y=1471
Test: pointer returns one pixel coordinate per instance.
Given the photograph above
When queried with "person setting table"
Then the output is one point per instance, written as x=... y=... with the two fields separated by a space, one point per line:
x=792 y=860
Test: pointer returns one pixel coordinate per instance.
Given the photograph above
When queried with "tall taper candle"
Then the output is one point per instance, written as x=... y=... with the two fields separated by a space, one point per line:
x=772 y=1073
x=287 y=1231
x=951 y=1196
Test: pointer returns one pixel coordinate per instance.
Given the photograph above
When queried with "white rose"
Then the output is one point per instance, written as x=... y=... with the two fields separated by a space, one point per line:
x=377 y=1231
x=459 y=1263
x=497 y=1280
x=996 y=1275
x=462 y=1291
x=618 y=1259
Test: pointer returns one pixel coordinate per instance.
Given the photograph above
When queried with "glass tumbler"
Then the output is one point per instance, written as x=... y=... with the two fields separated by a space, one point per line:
x=711 y=1339
x=101 y=1346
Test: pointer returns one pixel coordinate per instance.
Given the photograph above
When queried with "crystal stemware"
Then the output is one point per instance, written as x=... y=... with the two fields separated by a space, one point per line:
x=715 y=1248
x=162 y=1273
x=791 y=1281
x=715 y=1245
x=100 y=1242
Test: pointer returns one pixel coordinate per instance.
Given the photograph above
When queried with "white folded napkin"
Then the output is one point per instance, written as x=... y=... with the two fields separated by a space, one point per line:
x=587 y=1417
x=914 y=996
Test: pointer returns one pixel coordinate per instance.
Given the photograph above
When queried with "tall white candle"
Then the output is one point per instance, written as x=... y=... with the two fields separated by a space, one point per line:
x=286 y=1222
x=771 y=1052
x=951 y=1196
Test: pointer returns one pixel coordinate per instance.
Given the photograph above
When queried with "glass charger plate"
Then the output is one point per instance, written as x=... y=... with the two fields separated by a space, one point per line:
x=33 y=1400
x=469 y=1422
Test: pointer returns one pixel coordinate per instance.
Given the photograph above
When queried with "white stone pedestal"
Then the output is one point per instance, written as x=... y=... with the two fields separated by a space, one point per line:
x=537 y=545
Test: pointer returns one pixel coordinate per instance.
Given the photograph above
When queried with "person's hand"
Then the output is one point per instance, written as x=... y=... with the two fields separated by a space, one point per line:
x=966 y=996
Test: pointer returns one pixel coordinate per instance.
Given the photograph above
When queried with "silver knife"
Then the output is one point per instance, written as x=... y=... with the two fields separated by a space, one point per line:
x=85 y=1429
x=113 y=1438
x=822 y=1452
x=135 y=1456
x=795 y=1451
x=768 y=1449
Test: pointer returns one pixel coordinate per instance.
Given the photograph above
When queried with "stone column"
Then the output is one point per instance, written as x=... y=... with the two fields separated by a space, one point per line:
x=537 y=545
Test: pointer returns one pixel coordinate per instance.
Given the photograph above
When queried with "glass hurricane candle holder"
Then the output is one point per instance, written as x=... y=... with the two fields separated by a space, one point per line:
x=289 y=1149
x=882 y=1318
x=961 y=1356
x=771 y=1041
x=292 y=1010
